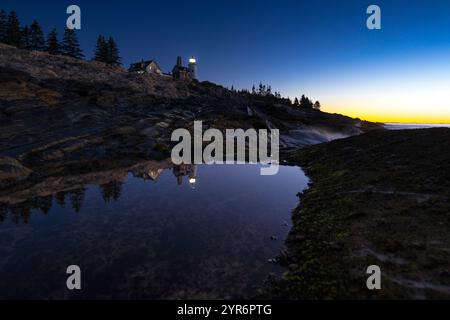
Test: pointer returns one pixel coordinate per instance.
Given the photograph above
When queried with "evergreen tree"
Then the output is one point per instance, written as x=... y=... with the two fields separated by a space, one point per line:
x=3 y=25
x=26 y=39
x=70 y=46
x=101 y=50
x=13 y=32
x=37 y=41
x=53 y=46
x=107 y=51
x=305 y=102
x=113 y=53
x=296 y=102
x=260 y=89
x=253 y=90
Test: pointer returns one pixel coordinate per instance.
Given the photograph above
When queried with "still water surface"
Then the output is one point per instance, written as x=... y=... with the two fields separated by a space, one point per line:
x=200 y=232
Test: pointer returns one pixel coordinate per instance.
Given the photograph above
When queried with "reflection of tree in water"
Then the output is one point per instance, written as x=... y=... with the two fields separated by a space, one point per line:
x=60 y=198
x=3 y=211
x=111 y=190
x=21 y=212
x=77 y=198
x=44 y=203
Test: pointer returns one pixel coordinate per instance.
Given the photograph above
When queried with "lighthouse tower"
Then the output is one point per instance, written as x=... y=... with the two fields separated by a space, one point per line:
x=192 y=67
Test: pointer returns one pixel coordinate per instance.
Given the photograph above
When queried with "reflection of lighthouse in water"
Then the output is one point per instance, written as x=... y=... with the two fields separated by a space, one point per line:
x=189 y=170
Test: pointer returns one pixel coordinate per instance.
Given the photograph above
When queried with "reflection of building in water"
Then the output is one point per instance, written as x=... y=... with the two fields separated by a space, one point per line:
x=151 y=170
x=188 y=170
x=153 y=174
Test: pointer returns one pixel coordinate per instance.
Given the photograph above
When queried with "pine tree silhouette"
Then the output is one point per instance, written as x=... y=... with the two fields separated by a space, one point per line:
x=107 y=51
x=113 y=53
x=3 y=25
x=37 y=41
x=101 y=50
x=53 y=46
x=70 y=46
x=305 y=102
x=26 y=38
x=13 y=32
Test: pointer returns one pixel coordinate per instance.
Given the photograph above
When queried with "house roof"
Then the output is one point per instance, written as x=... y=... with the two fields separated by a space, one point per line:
x=179 y=68
x=140 y=66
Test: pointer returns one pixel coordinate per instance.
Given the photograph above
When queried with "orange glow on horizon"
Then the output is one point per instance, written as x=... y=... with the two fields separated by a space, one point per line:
x=386 y=115
x=396 y=118
x=411 y=90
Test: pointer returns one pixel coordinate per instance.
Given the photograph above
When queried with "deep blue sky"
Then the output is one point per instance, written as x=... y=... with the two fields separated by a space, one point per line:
x=319 y=47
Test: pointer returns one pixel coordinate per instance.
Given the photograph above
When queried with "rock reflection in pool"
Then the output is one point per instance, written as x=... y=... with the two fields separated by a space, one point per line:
x=155 y=238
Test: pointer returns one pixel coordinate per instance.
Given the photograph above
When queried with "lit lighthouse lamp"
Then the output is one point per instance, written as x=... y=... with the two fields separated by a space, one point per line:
x=192 y=67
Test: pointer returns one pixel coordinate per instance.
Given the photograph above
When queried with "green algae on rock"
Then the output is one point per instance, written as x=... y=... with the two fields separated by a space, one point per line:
x=381 y=198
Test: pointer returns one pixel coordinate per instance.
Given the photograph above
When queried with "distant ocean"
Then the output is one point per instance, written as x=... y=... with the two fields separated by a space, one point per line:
x=402 y=126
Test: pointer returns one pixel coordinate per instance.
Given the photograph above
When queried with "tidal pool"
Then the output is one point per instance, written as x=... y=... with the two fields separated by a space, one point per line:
x=204 y=232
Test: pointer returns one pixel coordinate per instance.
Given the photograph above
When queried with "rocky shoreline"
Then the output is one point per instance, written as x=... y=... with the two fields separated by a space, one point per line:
x=376 y=197
x=58 y=111
x=381 y=198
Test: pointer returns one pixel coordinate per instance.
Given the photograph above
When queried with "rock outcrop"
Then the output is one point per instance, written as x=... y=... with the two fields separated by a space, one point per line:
x=58 y=113
x=381 y=198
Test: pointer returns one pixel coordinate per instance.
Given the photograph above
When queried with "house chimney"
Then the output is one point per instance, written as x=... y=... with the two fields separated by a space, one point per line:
x=179 y=61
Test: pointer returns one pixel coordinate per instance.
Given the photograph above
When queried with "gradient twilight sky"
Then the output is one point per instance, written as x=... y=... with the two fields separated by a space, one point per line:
x=321 y=48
